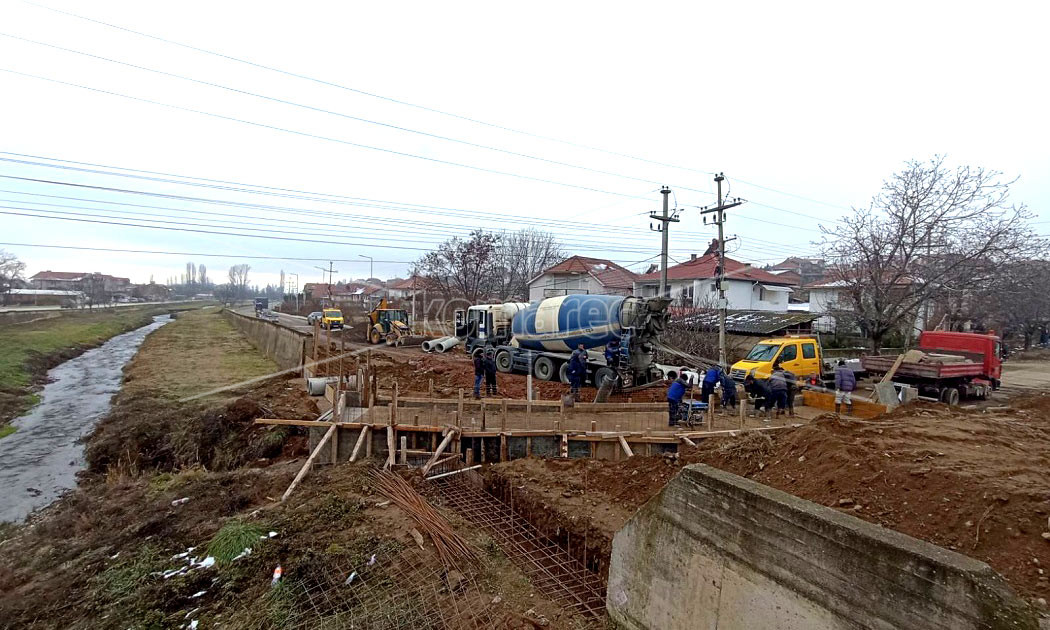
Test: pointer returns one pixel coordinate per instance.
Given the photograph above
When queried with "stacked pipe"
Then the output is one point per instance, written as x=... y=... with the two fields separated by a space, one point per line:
x=444 y=344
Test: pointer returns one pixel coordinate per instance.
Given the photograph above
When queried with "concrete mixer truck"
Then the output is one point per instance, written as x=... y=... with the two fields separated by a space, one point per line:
x=541 y=336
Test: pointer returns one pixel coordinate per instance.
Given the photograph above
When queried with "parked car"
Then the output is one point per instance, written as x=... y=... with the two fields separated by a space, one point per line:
x=269 y=315
x=314 y=317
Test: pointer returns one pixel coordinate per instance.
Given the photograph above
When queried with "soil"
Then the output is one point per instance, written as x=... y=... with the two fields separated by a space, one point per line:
x=975 y=481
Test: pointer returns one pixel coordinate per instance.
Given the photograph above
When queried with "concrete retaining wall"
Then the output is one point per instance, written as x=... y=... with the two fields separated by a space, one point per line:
x=285 y=346
x=717 y=551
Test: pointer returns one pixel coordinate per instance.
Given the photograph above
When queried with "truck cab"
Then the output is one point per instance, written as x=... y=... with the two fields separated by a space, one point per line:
x=486 y=324
x=801 y=356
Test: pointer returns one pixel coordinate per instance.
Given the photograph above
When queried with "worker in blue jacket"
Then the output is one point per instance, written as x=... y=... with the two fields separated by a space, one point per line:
x=612 y=354
x=576 y=371
x=675 y=393
x=729 y=400
x=711 y=378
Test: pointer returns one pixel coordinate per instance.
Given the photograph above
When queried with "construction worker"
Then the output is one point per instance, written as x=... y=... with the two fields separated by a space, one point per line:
x=675 y=393
x=711 y=378
x=728 y=392
x=759 y=390
x=576 y=371
x=845 y=383
x=479 y=372
x=612 y=354
x=778 y=388
x=792 y=383
x=490 y=372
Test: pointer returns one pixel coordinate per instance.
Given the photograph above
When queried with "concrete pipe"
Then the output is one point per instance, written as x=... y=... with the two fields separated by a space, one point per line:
x=315 y=386
x=428 y=345
x=447 y=344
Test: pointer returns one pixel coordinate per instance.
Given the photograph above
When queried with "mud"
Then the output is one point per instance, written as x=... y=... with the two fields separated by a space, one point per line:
x=41 y=459
x=974 y=481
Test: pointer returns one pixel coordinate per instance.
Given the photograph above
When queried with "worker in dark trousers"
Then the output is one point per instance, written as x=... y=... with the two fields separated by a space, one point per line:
x=759 y=390
x=778 y=388
x=711 y=378
x=490 y=372
x=728 y=392
x=792 y=389
x=612 y=354
x=845 y=383
x=675 y=393
x=576 y=371
x=479 y=372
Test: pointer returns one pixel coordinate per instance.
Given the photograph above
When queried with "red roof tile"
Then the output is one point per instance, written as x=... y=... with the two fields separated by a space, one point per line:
x=704 y=267
x=606 y=272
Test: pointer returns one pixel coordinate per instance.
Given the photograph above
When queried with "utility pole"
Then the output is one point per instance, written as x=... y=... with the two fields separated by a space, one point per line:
x=723 y=303
x=371 y=272
x=666 y=220
x=331 y=276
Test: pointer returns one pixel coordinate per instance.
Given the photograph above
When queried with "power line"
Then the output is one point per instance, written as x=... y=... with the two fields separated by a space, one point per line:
x=317 y=136
x=407 y=103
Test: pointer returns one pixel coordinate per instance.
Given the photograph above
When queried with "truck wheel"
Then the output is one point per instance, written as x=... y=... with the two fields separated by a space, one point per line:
x=504 y=362
x=950 y=396
x=543 y=368
x=603 y=374
x=563 y=373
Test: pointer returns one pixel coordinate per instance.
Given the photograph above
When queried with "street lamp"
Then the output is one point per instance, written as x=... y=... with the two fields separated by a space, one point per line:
x=371 y=274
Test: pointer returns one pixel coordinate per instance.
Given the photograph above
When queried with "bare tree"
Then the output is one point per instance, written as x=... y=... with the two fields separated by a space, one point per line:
x=522 y=256
x=202 y=275
x=462 y=268
x=191 y=274
x=11 y=271
x=931 y=228
x=1017 y=300
x=238 y=277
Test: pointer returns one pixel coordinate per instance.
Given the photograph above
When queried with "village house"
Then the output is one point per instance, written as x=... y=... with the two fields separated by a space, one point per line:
x=692 y=284
x=79 y=281
x=582 y=275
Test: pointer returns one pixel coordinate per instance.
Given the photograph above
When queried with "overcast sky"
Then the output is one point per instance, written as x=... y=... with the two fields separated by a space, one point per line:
x=806 y=107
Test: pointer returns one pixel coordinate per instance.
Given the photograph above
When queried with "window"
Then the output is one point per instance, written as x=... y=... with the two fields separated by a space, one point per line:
x=714 y=287
x=809 y=351
x=762 y=352
x=789 y=353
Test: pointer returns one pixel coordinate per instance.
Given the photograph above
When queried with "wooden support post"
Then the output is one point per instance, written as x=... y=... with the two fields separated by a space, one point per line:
x=430 y=388
x=440 y=449
x=504 y=453
x=483 y=416
x=368 y=447
x=594 y=426
x=433 y=442
x=459 y=409
x=404 y=450
x=415 y=419
x=710 y=411
x=503 y=415
x=391 y=445
x=564 y=444
x=470 y=457
x=626 y=446
x=335 y=445
x=360 y=440
x=309 y=462
x=688 y=441
x=528 y=447
x=393 y=405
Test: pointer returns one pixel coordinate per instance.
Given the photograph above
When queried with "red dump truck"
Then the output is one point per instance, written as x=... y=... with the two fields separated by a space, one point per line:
x=946 y=366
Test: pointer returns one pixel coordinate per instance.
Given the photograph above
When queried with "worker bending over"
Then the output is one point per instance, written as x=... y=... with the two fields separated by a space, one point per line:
x=675 y=393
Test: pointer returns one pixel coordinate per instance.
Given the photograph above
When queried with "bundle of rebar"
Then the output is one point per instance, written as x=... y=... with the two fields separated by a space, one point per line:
x=451 y=547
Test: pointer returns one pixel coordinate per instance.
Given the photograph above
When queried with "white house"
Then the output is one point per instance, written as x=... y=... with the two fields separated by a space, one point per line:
x=692 y=284
x=580 y=274
x=824 y=298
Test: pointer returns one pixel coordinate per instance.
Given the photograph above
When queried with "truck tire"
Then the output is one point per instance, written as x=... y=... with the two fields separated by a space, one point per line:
x=602 y=374
x=563 y=373
x=543 y=368
x=950 y=396
x=504 y=362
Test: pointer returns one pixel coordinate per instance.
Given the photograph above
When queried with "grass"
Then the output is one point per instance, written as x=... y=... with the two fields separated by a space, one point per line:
x=234 y=537
x=196 y=353
x=28 y=350
x=6 y=430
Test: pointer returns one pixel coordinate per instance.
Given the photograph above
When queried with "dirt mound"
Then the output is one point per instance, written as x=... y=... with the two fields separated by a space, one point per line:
x=142 y=433
x=975 y=481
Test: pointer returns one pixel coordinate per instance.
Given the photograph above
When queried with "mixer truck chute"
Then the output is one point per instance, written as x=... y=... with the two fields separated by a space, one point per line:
x=541 y=336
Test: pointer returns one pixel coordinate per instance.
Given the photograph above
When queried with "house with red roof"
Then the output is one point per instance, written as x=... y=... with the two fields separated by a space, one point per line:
x=582 y=275
x=692 y=284
x=76 y=281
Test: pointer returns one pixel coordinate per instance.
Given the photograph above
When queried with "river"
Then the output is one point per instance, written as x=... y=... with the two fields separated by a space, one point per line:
x=40 y=461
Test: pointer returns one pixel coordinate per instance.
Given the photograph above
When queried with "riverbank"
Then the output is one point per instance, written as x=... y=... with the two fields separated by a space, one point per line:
x=29 y=349
x=171 y=479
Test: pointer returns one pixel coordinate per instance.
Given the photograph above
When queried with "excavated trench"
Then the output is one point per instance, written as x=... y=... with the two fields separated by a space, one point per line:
x=578 y=538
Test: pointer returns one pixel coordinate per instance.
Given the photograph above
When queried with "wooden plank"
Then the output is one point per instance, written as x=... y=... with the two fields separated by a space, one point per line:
x=626 y=446
x=360 y=440
x=404 y=450
x=335 y=445
x=391 y=446
x=297 y=423
x=439 y=451
x=893 y=370
x=309 y=462
x=688 y=441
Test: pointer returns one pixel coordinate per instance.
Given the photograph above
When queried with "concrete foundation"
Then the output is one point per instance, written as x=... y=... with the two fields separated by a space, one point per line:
x=717 y=551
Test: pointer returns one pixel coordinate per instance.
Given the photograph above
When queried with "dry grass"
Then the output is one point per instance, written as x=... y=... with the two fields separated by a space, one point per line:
x=198 y=352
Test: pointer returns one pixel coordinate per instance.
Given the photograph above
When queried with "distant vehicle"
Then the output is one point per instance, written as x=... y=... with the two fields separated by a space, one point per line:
x=389 y=324
x=314 y=317
x=269 y=315
x=331 y=319
x=802 y=356
x=261 y=304
x=947 y=365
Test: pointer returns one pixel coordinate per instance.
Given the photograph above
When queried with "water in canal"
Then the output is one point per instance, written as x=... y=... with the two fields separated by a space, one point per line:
x=40 y=460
